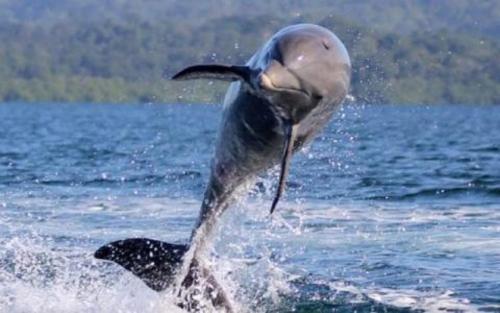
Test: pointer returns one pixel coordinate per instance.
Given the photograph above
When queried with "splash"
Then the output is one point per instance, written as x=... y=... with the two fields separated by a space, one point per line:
x=308 y=256
x=37 y=276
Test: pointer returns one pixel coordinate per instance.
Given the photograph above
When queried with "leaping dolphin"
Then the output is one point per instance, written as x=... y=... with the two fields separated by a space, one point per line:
x=276 y=103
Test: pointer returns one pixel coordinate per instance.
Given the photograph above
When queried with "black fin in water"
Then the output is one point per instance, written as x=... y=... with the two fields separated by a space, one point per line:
x=153 y=261
x=216 y=71
x=290 y=131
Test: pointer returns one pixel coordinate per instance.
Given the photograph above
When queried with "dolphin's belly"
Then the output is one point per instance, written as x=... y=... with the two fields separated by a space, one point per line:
x=251 y=140
x=315 y=122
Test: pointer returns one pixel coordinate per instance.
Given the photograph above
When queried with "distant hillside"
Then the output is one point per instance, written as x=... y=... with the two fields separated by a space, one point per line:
x=400 y=16
x=419 y=51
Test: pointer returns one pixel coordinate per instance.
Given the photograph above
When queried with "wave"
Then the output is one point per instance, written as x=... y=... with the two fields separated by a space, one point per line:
x=37 y=277
x=102 y=180
x=445 y=192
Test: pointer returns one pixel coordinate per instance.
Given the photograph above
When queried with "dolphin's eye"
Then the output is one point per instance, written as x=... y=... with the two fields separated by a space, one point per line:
x=326 y=45
x=317 y=97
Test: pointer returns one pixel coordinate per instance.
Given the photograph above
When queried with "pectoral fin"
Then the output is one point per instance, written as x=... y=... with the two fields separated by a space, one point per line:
x=290 y=131
x=215 y=71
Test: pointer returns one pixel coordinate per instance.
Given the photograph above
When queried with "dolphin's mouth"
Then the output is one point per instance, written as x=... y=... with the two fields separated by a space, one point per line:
x=266 y=83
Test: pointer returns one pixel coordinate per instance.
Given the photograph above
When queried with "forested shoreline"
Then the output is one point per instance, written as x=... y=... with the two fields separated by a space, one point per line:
x=124 y=60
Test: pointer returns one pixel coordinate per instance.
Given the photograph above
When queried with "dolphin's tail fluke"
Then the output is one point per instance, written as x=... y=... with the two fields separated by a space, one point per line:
x=157 y=263
x=153 y=261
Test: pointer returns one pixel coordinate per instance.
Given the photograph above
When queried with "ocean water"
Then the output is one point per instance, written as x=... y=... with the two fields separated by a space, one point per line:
x=391 y=209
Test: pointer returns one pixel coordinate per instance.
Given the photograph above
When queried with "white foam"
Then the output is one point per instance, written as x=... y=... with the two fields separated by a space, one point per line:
x=37 y=278
x=23 y=297
x=430 y=302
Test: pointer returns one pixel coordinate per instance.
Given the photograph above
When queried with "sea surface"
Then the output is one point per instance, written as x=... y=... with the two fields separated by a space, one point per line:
x=391 y=209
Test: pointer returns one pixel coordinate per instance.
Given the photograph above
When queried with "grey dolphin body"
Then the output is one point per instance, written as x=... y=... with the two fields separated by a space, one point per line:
x=277 y=102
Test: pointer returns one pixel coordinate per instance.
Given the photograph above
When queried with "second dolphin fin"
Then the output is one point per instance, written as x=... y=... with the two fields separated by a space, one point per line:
x=290 y=131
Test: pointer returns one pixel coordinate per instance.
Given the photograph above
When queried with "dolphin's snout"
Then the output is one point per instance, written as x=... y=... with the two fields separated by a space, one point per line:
x=265 y=82
x=292 y=97
x=277 y=77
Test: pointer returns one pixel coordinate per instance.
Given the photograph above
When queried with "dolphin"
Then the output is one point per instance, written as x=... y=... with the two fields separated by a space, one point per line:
x=277 y=102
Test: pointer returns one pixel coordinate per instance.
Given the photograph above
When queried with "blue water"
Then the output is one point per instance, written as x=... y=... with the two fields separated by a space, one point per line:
x=391 y=209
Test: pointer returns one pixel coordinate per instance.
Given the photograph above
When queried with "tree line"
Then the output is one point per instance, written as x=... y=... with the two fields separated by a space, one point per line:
x=127 y=60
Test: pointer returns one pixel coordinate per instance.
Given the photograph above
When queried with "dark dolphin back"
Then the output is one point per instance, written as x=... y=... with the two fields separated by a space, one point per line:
x=248 y=142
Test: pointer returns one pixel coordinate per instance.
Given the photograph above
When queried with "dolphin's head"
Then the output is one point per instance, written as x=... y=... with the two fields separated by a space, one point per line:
x=298 y=68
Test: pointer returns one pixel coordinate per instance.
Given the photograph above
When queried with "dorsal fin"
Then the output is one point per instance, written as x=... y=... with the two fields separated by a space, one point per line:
x=153 y=261
x=290 y=131
x=215 y=71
